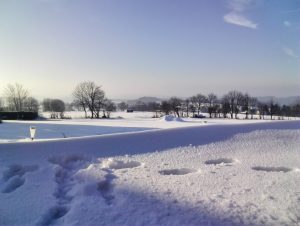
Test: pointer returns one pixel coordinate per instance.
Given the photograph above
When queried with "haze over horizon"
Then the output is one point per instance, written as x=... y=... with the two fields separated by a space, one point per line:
x=135 y=48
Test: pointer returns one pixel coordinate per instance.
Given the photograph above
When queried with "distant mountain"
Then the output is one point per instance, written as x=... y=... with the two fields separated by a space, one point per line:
x=280 y=100
x=144 y=100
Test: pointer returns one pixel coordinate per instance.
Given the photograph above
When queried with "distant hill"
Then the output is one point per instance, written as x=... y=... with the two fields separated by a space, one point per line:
x=280 y=100
x=145 y=100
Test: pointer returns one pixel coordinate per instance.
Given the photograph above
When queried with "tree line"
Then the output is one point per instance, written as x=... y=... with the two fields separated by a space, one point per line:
x=229 y=105
x=90 y=98
x=87 y=96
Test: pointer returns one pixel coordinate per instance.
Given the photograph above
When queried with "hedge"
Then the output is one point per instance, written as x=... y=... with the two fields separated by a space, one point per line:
x=18 y=115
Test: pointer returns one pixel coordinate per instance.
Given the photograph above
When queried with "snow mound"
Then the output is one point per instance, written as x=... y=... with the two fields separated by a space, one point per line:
x=182 y=171
x=168 y=118
x=272 y=169
x=171 y=118
x=179 y=119
x=117 y=164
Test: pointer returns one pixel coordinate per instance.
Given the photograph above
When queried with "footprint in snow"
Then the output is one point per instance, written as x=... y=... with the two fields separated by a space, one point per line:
x=13 y=176
x=106 y=187
x=53 y=214
x=273 y=169
x=220 y=161
x=182 y=171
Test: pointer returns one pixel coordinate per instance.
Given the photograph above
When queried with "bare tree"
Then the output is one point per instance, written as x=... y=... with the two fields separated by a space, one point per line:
x=175 y=104
x=109 y=107
x=225 y=109
x=253 y=104
x=1 y=104
x=235 y=100
x=16 y=96
x=100 y=101
x=186 y=106
x=263 y=109
x=47 y=104
x=165 y=107
x=122 y=106
x=90 y=96
x=80 y=97
x=273 y=108
x=286 y=111
x=211 y=98
x=193 y=110
x=197 y=101
x=296 y=108
x=56 y=107
x=246 y=103
x=80 y=106
x=31 y=104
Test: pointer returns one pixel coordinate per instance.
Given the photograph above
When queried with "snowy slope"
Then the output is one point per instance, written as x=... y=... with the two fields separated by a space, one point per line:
x=245 y=174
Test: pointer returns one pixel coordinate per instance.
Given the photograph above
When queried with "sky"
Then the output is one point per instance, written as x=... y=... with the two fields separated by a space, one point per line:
x=162 y=48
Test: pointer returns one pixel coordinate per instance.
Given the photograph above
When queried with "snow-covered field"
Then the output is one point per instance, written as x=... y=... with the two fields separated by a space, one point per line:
x=170 y=173
x=13 y=131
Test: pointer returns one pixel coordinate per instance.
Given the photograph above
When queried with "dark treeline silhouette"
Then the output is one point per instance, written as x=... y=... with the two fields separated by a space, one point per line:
x=56 y=107
x=231 y=105
x=90 y=98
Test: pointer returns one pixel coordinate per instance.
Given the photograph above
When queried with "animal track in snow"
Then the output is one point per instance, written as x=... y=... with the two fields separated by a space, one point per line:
x=182 y=171
x=14 y=176
x=272 y=169
x=118 y=164
x=220 y=161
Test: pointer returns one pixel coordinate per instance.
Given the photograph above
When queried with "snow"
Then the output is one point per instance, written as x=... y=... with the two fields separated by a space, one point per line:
x=186 y=173
x=12 y=131
x=18 y=131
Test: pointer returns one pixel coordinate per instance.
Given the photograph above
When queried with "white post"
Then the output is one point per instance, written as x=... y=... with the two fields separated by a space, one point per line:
x=32 y=132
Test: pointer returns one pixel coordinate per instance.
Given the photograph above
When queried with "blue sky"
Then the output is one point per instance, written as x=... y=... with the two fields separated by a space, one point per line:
x=160 y=48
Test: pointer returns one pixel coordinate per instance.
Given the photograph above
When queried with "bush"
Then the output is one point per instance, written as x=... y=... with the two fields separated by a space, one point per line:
x=18 y=115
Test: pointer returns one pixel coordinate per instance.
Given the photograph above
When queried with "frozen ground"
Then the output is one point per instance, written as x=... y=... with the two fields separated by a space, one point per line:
x=219 y=174
x=13 y=131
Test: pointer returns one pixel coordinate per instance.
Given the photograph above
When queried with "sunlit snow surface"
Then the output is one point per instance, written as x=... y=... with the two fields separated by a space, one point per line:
x=122 y=122
x=222 y=174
